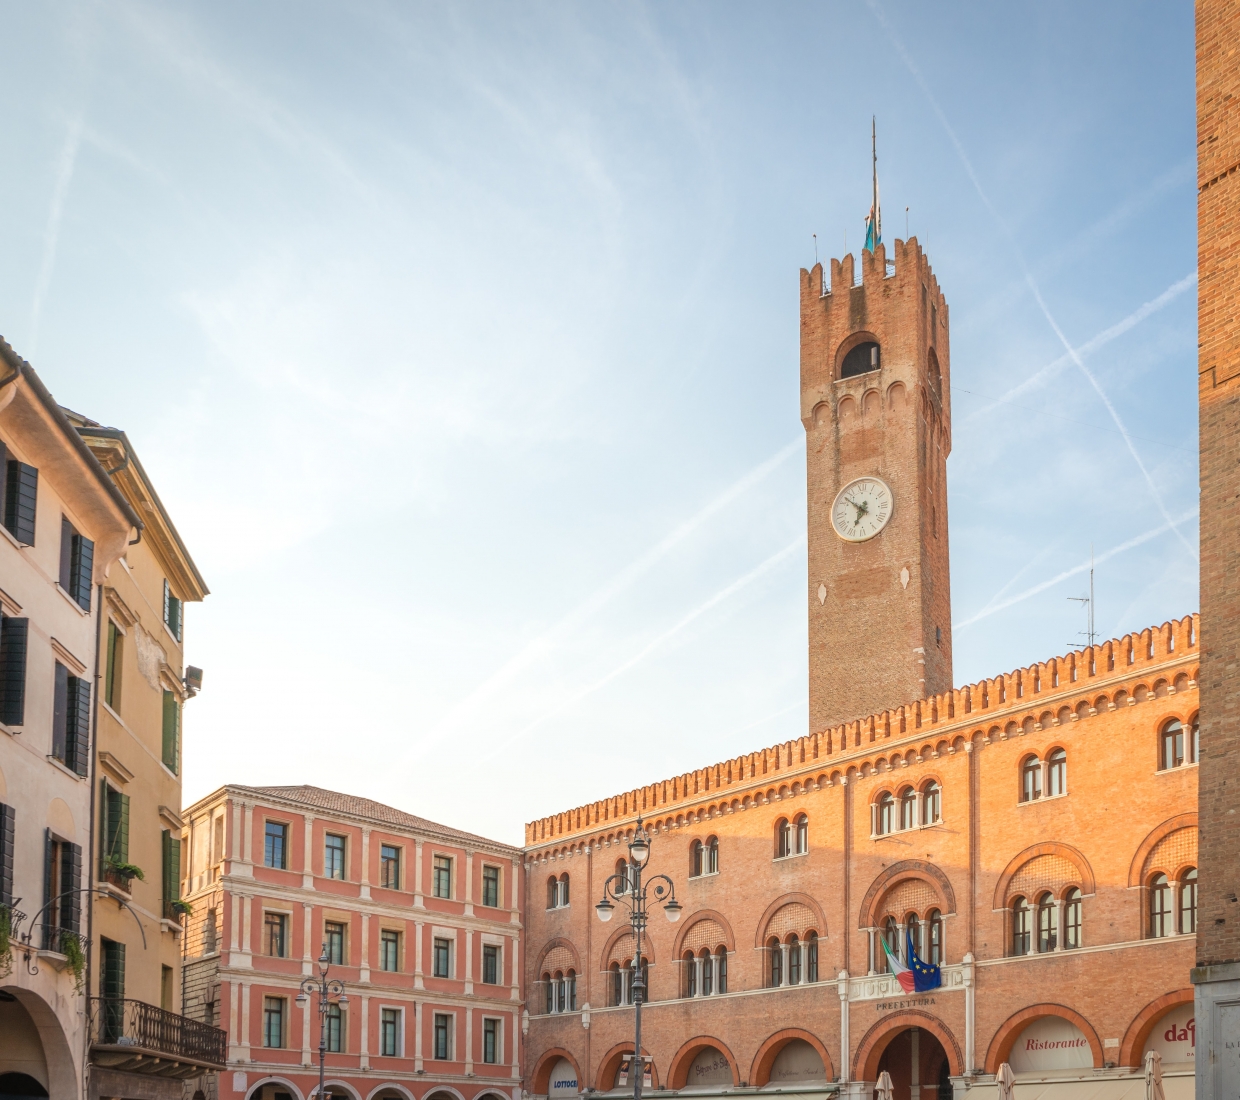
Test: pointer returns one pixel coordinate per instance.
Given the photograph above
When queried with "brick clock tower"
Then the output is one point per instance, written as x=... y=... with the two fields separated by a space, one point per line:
x=875 y=402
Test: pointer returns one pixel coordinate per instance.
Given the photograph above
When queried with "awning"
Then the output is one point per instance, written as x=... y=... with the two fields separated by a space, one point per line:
x=1176 y=1086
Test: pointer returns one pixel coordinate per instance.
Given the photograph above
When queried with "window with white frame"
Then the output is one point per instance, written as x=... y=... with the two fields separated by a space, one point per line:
x=492 y=1034
x=442 y=1037
x=390 y=1032
x=441 y=953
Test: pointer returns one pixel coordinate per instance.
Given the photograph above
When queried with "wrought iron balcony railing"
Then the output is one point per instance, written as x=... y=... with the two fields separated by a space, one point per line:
x=133 y=1035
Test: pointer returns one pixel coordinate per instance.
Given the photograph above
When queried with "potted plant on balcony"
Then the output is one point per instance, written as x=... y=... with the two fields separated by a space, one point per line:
x=121 y=874
x=71 y=948
x=180 y=909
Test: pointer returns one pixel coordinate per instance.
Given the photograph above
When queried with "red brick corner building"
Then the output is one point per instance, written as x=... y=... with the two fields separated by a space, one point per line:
x=1034 y=834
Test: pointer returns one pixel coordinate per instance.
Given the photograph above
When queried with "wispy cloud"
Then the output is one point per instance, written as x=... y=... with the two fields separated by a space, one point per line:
x=993 y=607
x=65 y=164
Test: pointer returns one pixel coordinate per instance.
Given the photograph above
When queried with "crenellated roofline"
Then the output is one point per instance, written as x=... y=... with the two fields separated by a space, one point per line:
x=948 y=715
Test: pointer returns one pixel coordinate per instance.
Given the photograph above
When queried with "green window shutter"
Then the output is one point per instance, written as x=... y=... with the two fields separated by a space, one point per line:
x=81 y=570
x=7 y=831
x=60 y=713
x=71 y=882
x=109 y=680
x=112 y=979
x=20 y=498
x=67 y=534
x=172 y=867
x=13 y=636
x=77 y=725
x=122 y=833
x=172 y=722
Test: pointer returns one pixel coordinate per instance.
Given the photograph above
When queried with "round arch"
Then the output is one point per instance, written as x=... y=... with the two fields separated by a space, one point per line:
x=759 y=935
x=907 y=868
x=1046 y=848
x=540 y=1079
x=390 y=1086
x=551 y=945
x=703 y=914
x=1133 y=1044
x=617 y=936
x=877 y=1039
x=760 y=1072
x=1009 y=1031
x=862 y=336
x=448 y=1089
x=284 y=1081
x=609 y=1066
x=57 y=1054
x=1171 y=825
x=678 y=1071
x=330 y=1086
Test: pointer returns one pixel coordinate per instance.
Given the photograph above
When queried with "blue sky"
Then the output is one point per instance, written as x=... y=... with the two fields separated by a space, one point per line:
x=461 y=341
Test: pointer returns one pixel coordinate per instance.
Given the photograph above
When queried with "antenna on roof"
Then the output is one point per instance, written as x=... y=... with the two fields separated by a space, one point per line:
x=1088 y=601
x=815 y=249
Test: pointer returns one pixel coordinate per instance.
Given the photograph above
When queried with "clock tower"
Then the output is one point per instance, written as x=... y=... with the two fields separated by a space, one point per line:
x=876 y=405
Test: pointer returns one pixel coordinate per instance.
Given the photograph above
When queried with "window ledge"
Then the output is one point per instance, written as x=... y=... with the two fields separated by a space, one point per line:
x=715 y=874
x=168 y=631
x=65 y=768
x=780 y=859
x=12 y=731
x=1158 y=771
x=905 y=832
x=1043 y=798
x=11 y=537
x=76 y=606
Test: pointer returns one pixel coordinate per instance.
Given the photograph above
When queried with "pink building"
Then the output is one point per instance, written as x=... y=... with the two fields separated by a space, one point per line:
x=419 y=921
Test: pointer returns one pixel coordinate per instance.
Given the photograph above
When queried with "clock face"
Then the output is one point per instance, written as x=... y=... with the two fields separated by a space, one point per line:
x=861 y=509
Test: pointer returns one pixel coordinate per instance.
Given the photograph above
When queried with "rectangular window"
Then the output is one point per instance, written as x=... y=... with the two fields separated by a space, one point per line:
x=333 y=933
x=335 y=1029
x=172 y=612
x=172 y=732
x=71 y=720
x=115 y=848
x=389 y=1032
x=443 y=877
x=275 y=935
x=490 y=886
x=21 y=491
x=333 y=856
x=389 y=950
x=442 y=958
x=275 y=845
x=62 y=891
x=77 y=559
x=112 y=672
x=7 y=837
x=490 y=1041
x=112 y=989
x=171 y=850
x=490 y=964
x=443 y=1037
x=165 y=988
x=13 y=635
x=389 y=867
x=273 y=1021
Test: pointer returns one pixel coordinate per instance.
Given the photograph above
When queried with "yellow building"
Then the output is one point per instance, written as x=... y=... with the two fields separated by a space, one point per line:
x=140 y=1045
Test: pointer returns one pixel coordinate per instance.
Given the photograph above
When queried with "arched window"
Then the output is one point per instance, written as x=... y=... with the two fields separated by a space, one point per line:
x=908 y=808
x=1047 y=934
x=802 y=834
x=561 y=992
x=622 y=869
x=564 y=889
x=695 y=859
x=1057 y=773
x=934 y=946
x=571 y=980
x=690 y=974
x=553 y=892
x=1194 y=739
x=794 y=960
x=708 y=975
x=1188 y=900
x=1030 y=779
x=1160 y=907
x=617 y=984
x=890 y=933
x=549 y=991
x=1172 y=738
x=722 y=956
x=783 y=838
x=712 y=855
x=931 y=803
x=912 y=933
x=860 y=360
x=776 y=970
x=886 y=813
x=811 y=956
x=1020 y=927
x=1072 y=918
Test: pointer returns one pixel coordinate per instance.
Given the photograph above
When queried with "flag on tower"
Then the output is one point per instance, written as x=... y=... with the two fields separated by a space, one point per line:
x=874 y=221
x=919 y=977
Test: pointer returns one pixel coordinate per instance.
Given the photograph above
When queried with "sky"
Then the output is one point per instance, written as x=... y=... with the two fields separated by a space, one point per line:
x=461 y=344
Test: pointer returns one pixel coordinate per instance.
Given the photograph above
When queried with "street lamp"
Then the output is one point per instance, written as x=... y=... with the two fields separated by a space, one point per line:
x=627 y=887
x=330 y=992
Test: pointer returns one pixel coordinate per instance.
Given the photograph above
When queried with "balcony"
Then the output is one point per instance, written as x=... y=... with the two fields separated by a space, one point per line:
x=135 y=1037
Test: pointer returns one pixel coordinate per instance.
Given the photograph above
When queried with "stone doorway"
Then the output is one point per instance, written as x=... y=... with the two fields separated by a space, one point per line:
x=918 y=1066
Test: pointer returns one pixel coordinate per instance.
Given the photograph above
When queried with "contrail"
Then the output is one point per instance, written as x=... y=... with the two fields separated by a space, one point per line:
x=546 y=642
x=1090 y=346
x=977 y=186
x=660 y=639
x=51 y=235
x=989 y=610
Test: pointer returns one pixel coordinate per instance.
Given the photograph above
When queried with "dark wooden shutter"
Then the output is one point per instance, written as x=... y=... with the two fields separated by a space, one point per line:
x=112 y=979
x=122 y=832
x=60 y=713
x=49 y=882
x=82 y=570
x=172 y=870
x=172 y=718
x=4 y=481
x=71 y=883
x=20 y=497
x=77 y=740
x=67 y=532
x=7 y=833
x=13 y=635
x=116 y=825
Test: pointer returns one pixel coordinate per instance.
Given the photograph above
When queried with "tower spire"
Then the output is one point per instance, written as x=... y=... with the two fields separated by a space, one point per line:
x=874 y=222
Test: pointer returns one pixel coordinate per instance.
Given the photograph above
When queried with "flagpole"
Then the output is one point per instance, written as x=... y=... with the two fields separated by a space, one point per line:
x=874 y=152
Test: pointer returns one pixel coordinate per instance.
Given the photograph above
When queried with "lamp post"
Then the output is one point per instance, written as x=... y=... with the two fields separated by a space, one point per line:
x=330 y=991
x=628 y=889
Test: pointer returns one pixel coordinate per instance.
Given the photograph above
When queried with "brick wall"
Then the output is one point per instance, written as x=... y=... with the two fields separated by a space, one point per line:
x=1218 y=264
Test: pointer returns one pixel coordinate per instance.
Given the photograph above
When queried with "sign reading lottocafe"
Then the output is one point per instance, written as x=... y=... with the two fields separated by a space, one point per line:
x=563 y=1082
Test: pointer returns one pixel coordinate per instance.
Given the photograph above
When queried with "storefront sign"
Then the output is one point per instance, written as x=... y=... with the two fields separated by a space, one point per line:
x=622 y=1078
x=710 y=1067
x=1051 y=1043
x=563 y=1081
x=798 y=1061
x=1175 y=1035
x=899 y=1006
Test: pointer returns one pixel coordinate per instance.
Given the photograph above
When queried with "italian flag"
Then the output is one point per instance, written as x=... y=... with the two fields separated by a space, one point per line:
x=903 y=974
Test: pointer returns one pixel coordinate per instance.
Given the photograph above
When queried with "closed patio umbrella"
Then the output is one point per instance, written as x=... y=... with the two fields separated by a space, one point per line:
x=1006 y=1080
x=1153 y=1076
x=883 y=1090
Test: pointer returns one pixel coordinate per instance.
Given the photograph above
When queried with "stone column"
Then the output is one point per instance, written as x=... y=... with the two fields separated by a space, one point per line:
x=1060 y=930
x=307 y=865
x=915 y=1080
x=365 y=1051
x=417 y=1035
x=469 y=961
x=845 y=1049
x=783 y=964
x=418 y=983
x=418 y=903
x=307 y=940
x=714 y=974
x=364 y=877
x=697 y=977
x=469 y=1042
x=870 y=934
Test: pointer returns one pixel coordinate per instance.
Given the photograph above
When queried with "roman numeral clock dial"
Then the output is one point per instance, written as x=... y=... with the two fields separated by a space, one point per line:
x=861 y=509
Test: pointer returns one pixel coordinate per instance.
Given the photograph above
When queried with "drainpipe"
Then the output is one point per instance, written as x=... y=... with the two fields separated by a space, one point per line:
x=90 y=832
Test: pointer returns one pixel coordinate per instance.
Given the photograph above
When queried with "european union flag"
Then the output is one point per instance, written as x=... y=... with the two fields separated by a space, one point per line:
x=925 y=976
